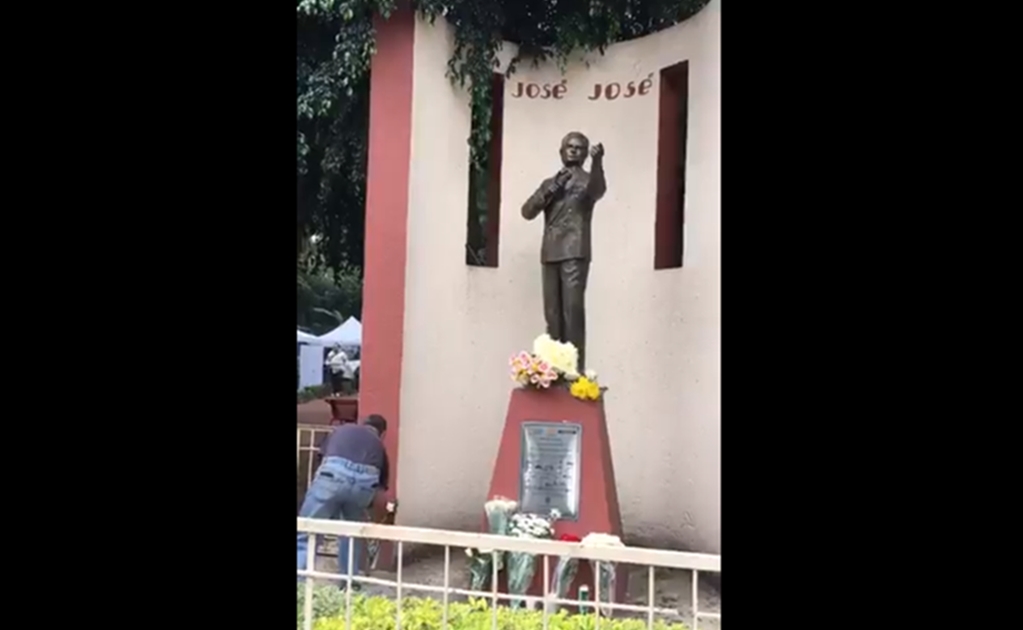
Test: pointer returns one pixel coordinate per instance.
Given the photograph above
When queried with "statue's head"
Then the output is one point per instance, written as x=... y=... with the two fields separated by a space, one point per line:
x=574 y=147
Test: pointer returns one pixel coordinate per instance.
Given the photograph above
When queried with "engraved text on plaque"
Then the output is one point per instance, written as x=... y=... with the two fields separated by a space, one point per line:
x=549 y=473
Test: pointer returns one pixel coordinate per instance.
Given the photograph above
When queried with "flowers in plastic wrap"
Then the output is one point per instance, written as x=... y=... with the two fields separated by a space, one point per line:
x=522 y=565
x=529 y=370
x=499 y=511
x=373 y=545
x=481 y=562
x=604 y=572
x=564 y=572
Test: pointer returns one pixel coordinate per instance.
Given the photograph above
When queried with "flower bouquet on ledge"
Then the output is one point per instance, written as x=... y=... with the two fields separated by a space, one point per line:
x=522 y=565
x=586 y=387
x=553 y=363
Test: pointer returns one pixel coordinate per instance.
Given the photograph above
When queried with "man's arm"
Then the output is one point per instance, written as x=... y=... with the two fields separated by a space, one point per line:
x=597 y=185
x=385 y=473
x=544 y=195
x=539 y=200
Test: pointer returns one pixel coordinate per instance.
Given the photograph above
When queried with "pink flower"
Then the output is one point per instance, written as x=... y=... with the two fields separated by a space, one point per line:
x=534 y=379
x=544 y=366
x=525 y=357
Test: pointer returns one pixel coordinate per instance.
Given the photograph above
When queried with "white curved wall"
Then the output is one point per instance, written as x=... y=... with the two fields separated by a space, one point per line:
x=654 y=336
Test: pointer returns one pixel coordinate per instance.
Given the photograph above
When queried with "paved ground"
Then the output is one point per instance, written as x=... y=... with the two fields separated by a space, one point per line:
x=673 y=589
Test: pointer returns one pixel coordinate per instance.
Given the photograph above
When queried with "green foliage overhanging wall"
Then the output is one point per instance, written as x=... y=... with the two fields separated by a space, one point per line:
x=335 y=45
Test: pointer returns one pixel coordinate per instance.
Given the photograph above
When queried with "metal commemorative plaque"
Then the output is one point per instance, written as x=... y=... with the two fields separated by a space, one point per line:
x=549 y=468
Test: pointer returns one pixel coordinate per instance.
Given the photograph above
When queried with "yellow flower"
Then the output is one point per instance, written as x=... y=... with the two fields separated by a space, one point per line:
x=585 y=389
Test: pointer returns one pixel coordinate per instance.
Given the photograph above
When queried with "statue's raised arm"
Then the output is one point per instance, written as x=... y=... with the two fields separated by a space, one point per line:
x=597 y=185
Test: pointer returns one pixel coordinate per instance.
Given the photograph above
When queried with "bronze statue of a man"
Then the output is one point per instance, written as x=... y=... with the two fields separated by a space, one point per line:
x=567 y=201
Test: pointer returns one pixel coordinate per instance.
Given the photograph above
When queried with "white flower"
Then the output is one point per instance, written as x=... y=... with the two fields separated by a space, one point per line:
x=563 y=357
x=602 y=540
x=591 y=375
x=502 y=504
x=391 y=506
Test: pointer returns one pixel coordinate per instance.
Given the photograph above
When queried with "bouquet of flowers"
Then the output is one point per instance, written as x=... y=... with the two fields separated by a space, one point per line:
x=499 y=511
x=373 y=546
x=562 y=356
x=481 y=562
x=603 y=572
x=564 y=572
x=529 y=370
x=522 y=565
x=549 y=362
x=586 y=387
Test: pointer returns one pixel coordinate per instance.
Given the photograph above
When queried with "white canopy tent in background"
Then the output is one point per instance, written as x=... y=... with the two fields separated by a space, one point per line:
x=310 y=360
x=310 y=366
x=347 y=334
x=304 y=337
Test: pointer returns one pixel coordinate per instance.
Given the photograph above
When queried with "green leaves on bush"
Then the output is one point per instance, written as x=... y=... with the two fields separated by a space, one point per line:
x=379 y=613
x=315 y=392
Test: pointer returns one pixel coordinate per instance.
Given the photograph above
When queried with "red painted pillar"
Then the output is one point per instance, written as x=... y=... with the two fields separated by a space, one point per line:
x=387 y=181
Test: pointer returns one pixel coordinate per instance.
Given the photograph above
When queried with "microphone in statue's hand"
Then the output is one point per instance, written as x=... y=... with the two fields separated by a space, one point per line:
x=560 y=179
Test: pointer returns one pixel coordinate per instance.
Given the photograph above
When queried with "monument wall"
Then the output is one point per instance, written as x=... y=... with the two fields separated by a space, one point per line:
x=652 y=335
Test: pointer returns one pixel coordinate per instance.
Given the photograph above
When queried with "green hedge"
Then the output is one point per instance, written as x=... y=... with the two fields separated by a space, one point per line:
x=313 y=393
x=378 y=613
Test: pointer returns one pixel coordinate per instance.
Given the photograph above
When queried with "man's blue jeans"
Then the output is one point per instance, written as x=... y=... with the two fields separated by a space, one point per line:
x=341 y=490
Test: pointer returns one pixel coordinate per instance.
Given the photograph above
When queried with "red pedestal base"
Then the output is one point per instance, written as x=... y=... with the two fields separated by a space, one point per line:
x=598 y=497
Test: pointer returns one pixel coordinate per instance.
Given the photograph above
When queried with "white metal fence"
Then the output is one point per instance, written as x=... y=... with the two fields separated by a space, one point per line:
x=651 y=558
x=306 y=438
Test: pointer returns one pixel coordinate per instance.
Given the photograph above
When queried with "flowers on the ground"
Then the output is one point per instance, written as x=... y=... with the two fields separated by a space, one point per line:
x=564 y=572
x=522 y=565
x=567 y=568
x=391 y=507
x=499 y=511
x=602 y=540
x=533 y=525
x=585 y=389
x=531 y=371
x=604 y=571
x=502 y=504
x=503 y=518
